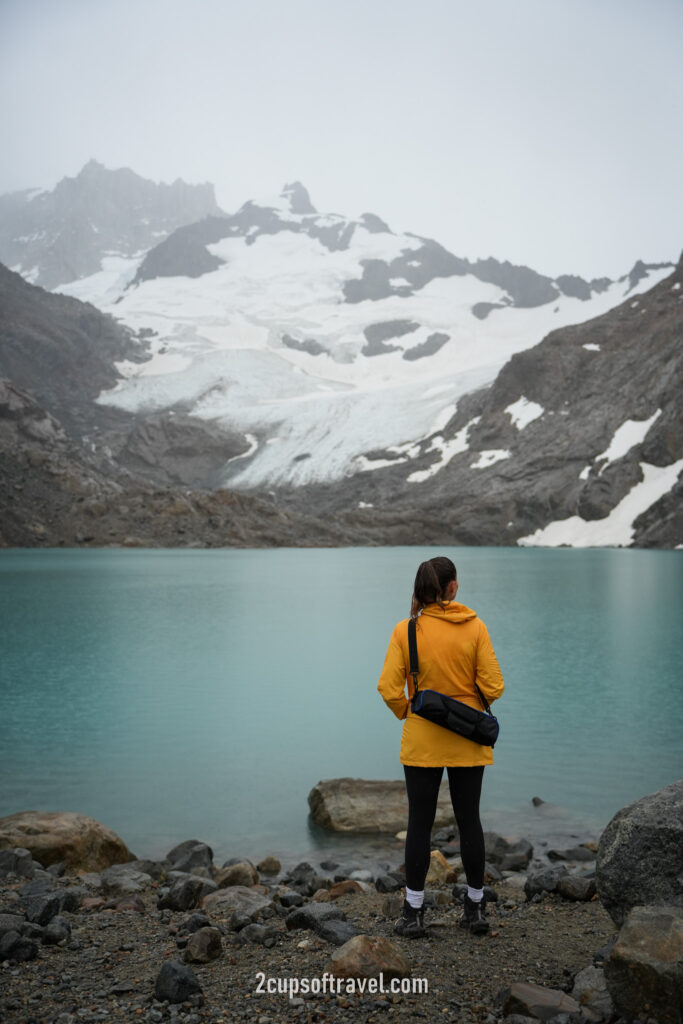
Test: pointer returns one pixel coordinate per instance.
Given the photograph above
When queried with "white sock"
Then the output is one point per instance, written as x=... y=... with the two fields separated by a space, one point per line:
x=476 y=895
x=415 y=897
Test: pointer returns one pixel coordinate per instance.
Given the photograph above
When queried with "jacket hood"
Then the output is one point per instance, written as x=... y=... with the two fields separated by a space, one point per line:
x=452 y=612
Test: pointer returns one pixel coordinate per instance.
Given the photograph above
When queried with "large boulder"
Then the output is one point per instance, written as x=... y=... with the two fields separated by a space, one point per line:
x=644 y=971
x=369 y=956
x=368 y=805
x=640 y=856
x=53 y=836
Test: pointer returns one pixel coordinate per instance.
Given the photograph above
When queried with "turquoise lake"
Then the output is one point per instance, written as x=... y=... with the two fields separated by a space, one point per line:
x=201 y=694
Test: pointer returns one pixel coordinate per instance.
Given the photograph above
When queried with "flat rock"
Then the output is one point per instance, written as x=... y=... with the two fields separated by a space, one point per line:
x=574 y=887
x=53 y=836
x=644 y=971
x=225 y=902
x=124 y=879
x=536 y=1001
x=640 y=856
x=312 y=915
x=368 y=805
x=336 y=932
x=368 y=956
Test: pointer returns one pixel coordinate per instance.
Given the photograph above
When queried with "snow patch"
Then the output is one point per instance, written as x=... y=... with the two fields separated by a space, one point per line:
x=590 y=347
x=674 y=288
x=629 y=434
x=585 y=473
x=616 y=529
x=488 y=458
x=365 y=504
x=447 y=449
x=522 y=412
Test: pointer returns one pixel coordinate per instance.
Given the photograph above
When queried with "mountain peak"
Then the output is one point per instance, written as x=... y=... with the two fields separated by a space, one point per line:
x=298 y=198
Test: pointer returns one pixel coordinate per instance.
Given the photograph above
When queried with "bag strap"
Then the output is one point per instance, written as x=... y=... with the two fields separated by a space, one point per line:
x=414 y=664
x=412 y=647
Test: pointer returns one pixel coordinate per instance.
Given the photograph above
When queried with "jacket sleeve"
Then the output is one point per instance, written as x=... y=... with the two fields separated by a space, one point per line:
x=489 y=678
x=392 y=681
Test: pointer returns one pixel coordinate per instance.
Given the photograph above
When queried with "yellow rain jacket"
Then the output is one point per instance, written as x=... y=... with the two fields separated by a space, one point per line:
x=454 y=650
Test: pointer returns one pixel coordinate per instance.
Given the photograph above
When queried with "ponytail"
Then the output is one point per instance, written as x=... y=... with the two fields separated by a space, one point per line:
x=431 y=582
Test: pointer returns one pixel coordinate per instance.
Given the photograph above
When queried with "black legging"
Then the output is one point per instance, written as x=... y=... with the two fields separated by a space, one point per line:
x=422 y=785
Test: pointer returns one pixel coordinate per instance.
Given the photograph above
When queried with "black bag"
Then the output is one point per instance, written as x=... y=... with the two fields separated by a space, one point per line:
x=478 y=726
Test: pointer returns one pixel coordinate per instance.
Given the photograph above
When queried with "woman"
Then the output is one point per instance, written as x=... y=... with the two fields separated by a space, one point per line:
x=454 y=653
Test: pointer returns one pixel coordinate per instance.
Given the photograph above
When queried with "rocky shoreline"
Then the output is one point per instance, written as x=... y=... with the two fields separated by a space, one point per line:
x=185 y=939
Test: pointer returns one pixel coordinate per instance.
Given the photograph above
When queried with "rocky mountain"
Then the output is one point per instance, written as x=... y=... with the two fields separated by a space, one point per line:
x=404 y=394
x=93 y=220
x=54 y=492
x=317 y=337
x=578 y=441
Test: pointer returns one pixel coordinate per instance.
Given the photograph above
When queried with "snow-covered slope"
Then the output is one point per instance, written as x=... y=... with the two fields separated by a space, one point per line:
x=323 y=338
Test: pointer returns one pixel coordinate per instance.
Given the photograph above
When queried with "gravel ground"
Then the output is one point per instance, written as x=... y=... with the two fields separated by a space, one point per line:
x=107 y=970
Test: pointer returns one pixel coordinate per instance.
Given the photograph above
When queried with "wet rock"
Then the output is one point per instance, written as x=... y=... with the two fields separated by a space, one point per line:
x=203 y=946
x=241 y=873
x=644 y=971
x=190 y=854
x=590 y=989
x=574 y=887
x=544 y=881
x=270 y=865
x=58 y=930
x=305 y=879
x=75 y=839
x=176 y=983
x=495 y=847
x=640 y=856
x=224 y=902
x=14 y=946
x=366 y=956
x=536 y=1001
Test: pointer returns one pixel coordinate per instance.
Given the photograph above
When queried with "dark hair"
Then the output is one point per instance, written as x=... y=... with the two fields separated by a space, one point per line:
x=431 y=582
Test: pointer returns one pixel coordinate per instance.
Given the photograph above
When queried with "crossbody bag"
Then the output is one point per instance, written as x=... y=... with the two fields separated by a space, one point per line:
x=478 y=726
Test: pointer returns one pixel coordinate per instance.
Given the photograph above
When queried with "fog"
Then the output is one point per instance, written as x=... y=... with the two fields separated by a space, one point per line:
x=546 y=133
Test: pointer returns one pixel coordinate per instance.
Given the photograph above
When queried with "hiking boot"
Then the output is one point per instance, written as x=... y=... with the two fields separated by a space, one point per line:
x=411 y=923
x=474 y=916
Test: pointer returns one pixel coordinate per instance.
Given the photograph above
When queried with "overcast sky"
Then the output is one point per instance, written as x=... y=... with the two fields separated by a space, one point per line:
x=546 y=132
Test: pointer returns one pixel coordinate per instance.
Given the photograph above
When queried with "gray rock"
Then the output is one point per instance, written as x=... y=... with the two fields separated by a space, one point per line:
x=176 y=983
x=190 y=855
x=573 y=853
x=193 y=923
x=32 y=931
x=58 y=930
x=291 y=899
x=544 y=881
x=124 y=879
x=14 y=946
x=203 y=946
x=590 y=989
x=224 y=902
x=573 y=887
x=388 y=883
x=640 y=856
x=644 y=972
x=17 y=861
x=336 y=931
x=10 y=923
x=57 y=869
x=186 y=893
x=517 y=857
x=312 y=915
x=257 y=933
x=41 y=909
x=72 y=897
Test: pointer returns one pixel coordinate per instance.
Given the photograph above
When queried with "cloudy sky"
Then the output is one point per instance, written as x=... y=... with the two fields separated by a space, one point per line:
x=546 y=132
